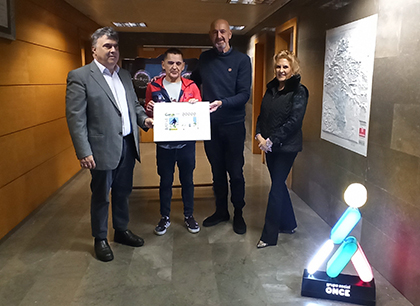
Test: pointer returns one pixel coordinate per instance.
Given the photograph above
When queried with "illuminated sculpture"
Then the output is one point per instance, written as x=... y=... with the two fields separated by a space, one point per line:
x=316 y=284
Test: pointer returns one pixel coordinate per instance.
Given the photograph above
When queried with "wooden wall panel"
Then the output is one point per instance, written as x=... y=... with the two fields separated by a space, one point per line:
x=32 y=64
x=65 y=11
x=36 y=25
x=25 y=106
x=21 y=196
x=37 y=156
x=259 y=85
x=24 y=150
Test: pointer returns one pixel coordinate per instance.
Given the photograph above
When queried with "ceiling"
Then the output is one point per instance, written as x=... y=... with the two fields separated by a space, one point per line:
x=175 y=16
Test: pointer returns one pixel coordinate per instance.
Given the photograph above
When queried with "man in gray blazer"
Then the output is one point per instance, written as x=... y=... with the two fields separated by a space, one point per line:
x=102 y=115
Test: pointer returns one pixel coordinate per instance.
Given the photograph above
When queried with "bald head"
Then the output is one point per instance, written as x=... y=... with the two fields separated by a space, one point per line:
x=217 y=22
x=220 y=34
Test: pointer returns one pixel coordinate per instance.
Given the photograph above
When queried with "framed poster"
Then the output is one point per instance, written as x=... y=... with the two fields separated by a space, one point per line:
x=181 y=121
x=7 y=19
x=348 y=71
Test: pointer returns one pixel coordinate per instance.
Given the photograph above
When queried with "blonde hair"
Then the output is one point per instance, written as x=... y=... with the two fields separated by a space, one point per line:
x=290 y=57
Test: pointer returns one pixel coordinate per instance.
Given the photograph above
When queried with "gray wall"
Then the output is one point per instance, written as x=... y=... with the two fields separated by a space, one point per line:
x=390 y=232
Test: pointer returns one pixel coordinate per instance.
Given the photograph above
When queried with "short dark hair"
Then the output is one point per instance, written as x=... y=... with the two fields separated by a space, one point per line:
x=107 y=31
x=172 y=51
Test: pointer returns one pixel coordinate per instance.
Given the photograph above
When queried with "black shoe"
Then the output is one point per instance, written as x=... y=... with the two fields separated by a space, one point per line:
x=287 y=231
x=128 y=238
x=239 y=225
x=216 y=218
x=103 y=251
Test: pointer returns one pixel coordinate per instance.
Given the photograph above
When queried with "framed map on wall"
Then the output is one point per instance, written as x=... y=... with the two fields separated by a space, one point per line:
x=348 y=71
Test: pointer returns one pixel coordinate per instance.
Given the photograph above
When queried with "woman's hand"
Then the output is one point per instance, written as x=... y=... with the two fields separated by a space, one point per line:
x=263 y=144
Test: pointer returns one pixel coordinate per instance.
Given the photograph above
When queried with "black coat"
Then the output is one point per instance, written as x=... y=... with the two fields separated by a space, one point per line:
x=282 y=113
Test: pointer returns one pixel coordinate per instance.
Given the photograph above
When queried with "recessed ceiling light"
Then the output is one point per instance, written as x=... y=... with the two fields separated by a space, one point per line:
x=130 y=24
x=237 y=27
x=268 y=29
x=241 y=1
x=250 y=1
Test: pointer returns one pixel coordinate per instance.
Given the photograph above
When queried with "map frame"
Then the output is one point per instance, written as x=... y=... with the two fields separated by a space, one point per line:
x=347 y=87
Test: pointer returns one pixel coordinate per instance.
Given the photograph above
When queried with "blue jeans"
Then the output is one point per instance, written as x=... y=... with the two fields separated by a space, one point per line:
x=225 y=152
x=280 y=214
x=185 y=159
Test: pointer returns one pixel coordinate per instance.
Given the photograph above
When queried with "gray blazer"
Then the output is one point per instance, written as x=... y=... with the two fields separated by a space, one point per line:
x=93 y=117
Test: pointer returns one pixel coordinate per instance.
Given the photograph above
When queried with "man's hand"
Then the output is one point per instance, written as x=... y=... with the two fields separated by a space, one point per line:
x=157 y=76
x=148 y=123
x=88 y=162
x=193 y=100
x=215 y=105
x=150 y=106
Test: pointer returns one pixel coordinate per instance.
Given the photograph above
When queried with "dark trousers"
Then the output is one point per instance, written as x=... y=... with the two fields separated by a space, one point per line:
x=185 y=159
x=120 y=182
x=225 y=152
x=279 y=215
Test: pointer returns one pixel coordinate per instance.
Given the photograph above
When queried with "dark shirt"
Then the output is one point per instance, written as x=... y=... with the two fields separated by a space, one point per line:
x=225 y=77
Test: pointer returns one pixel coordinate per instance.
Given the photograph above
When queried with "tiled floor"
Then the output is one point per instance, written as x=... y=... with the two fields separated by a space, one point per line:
x=49 y=259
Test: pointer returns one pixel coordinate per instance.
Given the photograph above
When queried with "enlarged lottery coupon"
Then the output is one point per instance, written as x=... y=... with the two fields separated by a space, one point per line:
x=179 y=121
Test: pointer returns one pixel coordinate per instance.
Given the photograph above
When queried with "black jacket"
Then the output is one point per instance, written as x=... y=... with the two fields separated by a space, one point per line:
x=282 y=114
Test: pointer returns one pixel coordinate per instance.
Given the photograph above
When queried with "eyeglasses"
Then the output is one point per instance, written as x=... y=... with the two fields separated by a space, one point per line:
x=170 y=63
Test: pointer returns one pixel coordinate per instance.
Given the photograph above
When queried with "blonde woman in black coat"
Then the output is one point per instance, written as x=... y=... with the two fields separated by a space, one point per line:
x=279 y=133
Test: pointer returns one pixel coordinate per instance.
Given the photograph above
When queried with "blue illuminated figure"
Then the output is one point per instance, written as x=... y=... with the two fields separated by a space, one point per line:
x=349 y=250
